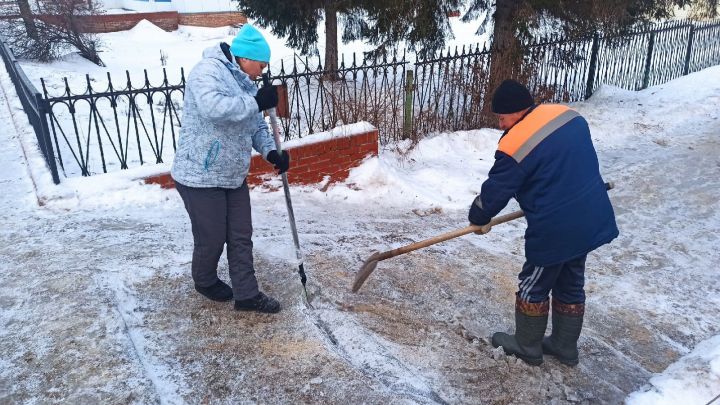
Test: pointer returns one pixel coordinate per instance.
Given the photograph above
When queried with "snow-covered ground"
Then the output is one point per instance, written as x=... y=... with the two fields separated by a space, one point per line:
x=693 y=379
x=98 y=306
x=129 y=56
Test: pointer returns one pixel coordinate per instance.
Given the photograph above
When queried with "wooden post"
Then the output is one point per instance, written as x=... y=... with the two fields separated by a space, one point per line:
x=648 y=61
x=408 y=105
x=589 y=88
x=688 y=54
x=283 y=107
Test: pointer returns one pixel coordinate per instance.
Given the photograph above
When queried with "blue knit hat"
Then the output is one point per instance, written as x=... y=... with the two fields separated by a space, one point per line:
x=249 y=43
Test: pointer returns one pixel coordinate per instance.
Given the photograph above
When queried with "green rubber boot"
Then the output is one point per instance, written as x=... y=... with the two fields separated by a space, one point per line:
x=567 y=321
x=530 y=323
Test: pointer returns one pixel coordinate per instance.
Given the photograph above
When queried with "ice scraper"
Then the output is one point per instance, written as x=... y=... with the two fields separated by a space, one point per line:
x=288 y=202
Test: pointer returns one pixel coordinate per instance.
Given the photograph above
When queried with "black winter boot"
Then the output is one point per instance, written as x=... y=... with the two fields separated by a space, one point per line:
x=259 y=303
x=530 y=323
x=216 y=292
x=567 y=321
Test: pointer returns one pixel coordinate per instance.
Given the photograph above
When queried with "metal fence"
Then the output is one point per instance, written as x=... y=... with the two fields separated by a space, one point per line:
x=96 y=132
x=35 y=108
x=320 y=100
x=115 y=128
x=450 y=89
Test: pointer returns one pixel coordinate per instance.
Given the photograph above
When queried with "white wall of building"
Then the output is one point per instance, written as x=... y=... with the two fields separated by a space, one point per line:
x=182 y=6
x=111 y=3
x=195 y=6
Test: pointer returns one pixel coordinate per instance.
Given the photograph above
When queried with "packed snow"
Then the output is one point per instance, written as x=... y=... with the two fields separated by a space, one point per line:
x=98 y=307
x=694 y=379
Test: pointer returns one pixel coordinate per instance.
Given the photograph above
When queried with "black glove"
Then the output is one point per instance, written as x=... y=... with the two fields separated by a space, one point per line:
x=477 y=216
x=266 y=97
x=281 y=161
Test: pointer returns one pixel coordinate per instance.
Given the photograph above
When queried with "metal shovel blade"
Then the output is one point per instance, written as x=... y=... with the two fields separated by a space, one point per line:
x=310 y=294
x=365 y=270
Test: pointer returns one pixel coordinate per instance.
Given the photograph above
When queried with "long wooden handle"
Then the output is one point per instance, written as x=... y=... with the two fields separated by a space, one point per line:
x=369 y=266
x=458 y=232
x=450 y=235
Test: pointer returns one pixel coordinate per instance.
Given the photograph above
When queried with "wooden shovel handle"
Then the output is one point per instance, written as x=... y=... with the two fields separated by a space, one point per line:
x=458 y=232
x=449 y=235
x=372 y=261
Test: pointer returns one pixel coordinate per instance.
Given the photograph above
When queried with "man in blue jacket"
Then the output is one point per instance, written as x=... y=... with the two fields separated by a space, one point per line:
x=546 y=160
x=222 y=122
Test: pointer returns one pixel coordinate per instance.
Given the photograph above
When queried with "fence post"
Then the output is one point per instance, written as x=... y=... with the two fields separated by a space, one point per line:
x=648 y=61
x=408 y=107
x=686 y=69
x=47 y=140
x=593 y=66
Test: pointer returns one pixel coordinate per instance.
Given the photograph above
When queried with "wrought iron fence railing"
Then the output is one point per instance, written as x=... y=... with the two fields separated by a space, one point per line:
x=117 y=128
x=319 y=100
x=35 y=108
x=450 y=89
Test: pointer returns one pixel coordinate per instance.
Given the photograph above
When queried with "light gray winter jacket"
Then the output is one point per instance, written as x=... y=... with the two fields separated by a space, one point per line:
x=220 y=124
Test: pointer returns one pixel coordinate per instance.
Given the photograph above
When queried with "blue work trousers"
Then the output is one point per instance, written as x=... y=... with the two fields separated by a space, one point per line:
x=566 y=281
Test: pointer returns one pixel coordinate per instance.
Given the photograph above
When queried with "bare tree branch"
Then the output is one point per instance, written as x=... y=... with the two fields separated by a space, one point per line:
x=49 y=34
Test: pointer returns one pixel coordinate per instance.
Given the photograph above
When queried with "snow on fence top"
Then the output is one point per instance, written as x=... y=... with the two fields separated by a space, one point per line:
x=342 y=131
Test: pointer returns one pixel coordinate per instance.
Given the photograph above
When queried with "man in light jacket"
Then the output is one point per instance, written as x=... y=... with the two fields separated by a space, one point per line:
x=222 y=121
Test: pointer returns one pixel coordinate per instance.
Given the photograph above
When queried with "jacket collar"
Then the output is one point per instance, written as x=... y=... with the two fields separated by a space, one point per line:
x=221 y=52
x=521 y=118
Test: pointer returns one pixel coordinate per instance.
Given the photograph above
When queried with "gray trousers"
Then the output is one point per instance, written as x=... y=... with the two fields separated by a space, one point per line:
x=221 y=216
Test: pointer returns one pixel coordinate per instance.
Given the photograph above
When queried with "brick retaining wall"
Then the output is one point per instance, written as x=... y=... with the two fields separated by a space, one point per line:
x=212 y=19
x=167 y=20
x=310 y=162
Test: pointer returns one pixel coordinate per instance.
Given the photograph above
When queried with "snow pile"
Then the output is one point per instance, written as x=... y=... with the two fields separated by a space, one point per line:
x=206 y=33
x=652 y=115
x=447 y=170
x=144 y=30
x=444 y=170
x=694 y=379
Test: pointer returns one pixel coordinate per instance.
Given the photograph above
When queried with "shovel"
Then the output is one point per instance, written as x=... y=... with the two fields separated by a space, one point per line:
x=372 y=261
x=369 y=266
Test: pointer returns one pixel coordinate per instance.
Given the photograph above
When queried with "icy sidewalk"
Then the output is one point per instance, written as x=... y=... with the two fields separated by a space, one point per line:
x=98 y=306
x=17 y=189
x=61 y=338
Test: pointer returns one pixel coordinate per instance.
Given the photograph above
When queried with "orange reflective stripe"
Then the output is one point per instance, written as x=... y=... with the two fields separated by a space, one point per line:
x=529 y=126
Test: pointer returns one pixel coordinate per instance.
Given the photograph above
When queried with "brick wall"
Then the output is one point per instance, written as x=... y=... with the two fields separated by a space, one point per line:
x=167 y=20
x=310 y=162
x=212 y=19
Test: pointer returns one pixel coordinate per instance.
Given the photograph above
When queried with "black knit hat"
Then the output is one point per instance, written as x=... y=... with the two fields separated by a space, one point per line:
x=511 y=97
